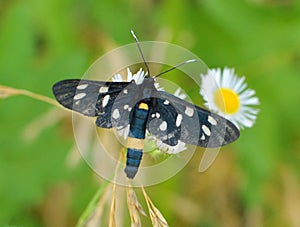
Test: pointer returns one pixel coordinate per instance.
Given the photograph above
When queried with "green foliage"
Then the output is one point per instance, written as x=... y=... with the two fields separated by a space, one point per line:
x=42 y=42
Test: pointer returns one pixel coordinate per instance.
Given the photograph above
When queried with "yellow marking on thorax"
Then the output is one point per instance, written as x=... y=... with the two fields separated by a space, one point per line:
x=134 y=143
x=143 y=106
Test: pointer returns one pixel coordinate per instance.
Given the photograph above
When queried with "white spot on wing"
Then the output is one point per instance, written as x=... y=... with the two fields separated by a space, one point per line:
x=202 y=137
x=103 y=89
x=116 y=114
x=125 y=91
x=82 y=86
x=206 y=130
x=79 y=96
x=163 y=126
x=166 y=102
x=178 y=120
x=211 y=120
x=189 y=111
x=126 y=107
x=153 y=115
x=157 y=115
x=105 y=100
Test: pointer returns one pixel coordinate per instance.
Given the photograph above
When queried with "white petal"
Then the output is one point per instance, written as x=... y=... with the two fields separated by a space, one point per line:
x=129 y=75
x=139 y=76
x=178 y=93
x=251 y=101
x=117 y=78
x=240 y=85
x=247 y=93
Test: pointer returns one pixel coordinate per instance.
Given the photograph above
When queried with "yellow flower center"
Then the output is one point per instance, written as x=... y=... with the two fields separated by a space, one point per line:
x=227 y=100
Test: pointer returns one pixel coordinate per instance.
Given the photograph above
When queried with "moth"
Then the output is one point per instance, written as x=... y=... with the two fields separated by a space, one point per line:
x=143 y=107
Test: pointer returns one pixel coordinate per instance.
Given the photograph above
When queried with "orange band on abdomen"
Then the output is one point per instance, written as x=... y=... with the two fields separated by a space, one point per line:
x=134 y=143
x=144 y=106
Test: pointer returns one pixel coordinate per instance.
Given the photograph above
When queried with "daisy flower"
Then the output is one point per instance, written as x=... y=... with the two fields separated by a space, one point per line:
x=227 y=95
x=139 y=78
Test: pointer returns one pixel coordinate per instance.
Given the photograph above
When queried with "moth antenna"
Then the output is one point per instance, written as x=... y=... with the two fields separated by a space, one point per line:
x=140 y=50
x=176 y=66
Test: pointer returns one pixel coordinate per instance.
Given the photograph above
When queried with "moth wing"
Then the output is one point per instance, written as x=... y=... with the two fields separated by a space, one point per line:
x=162 y=122
x=191 y=124
x=90 y=98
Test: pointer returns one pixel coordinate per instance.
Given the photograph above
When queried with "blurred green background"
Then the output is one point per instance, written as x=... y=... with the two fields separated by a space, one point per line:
x=253 y=182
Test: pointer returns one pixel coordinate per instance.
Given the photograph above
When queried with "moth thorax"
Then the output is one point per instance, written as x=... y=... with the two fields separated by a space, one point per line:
x=147 y=92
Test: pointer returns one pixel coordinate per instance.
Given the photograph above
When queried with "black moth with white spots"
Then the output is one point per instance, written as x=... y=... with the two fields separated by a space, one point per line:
x=170 y=118
x=143 y=107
